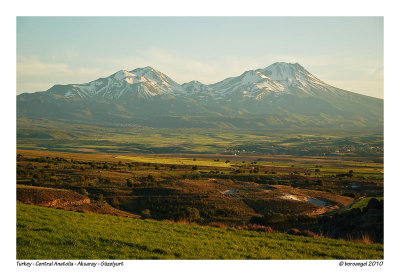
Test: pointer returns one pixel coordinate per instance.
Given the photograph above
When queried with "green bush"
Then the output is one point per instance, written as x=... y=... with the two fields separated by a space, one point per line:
x=145 y=214
x=129 y=182
x=83 y=191
x=192 y=214
x=99 y=197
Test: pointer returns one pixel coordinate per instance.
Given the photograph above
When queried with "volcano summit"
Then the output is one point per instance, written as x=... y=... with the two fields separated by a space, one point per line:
x=280 y=95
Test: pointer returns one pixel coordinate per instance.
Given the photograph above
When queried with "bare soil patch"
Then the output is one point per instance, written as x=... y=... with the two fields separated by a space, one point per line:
x=66 y=200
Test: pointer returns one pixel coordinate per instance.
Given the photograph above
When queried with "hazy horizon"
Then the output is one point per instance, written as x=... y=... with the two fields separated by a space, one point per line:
x=346 y=52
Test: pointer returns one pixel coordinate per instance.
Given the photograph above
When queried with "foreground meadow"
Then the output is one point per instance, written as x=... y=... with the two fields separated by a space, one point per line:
x=46 y=233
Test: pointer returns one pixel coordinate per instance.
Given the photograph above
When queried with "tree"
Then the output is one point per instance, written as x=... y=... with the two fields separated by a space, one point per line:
x=129 y=182
x=273 y=182
x=83 y=191
x=145 y=214
x=192 y=214
x=150 y=178
x=115 y=202
x=99 y=197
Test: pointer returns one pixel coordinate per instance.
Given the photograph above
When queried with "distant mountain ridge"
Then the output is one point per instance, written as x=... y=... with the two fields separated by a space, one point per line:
x=147 y=82
x=281 y=94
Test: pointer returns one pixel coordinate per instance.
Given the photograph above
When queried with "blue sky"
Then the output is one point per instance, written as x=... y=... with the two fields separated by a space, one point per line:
x=346 y=52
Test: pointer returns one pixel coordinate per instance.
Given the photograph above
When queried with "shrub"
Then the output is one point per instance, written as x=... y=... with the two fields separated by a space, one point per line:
x=150 y=178
x=99 y=197
x=293 y=231
x=192 y=213
x=114 y=202
x=129 y=182
x=349 y=194
x=373 y=203
x=258 y=228
x=256 y=220
x=83 y=191
x=308 y=233
x=366 y=238
x=145 y=214
x=218 y=225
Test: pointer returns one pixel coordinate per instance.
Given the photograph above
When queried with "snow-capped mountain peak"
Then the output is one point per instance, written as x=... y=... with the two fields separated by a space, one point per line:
x=144 y=70
x=157 y=79
x=278 y=78
x=195 y=88
x=291 y=73
x=122 y=74
x=280 y=95
x=284 y=71
x=252 y=76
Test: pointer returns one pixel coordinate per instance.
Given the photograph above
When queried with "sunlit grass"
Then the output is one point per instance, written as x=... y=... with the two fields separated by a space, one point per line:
x=175 y=161
x=45 y=233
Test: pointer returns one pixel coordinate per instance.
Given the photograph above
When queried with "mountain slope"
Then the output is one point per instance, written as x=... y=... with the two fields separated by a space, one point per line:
x=141 y=83
x=280 y=95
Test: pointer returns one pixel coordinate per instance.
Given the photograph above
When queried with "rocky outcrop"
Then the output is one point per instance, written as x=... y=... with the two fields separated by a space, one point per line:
x=49 y=197
x=63 y=203
x=66 y=200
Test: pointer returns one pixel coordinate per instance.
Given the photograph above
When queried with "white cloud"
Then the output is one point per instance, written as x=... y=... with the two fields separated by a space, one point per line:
x=36 y=75
x=366 y=87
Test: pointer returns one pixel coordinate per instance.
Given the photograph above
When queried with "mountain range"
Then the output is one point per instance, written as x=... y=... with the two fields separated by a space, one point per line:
x=280 y=95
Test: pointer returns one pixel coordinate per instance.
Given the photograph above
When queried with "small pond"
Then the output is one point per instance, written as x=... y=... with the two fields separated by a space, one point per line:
x=316 y=201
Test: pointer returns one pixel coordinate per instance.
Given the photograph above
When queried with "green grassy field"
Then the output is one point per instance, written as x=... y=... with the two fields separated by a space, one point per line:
x=62 y=136
x=45 y=233
x=175 y=161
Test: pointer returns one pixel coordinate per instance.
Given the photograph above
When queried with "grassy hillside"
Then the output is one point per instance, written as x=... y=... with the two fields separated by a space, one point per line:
x=45 y=233
x=361 y=204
